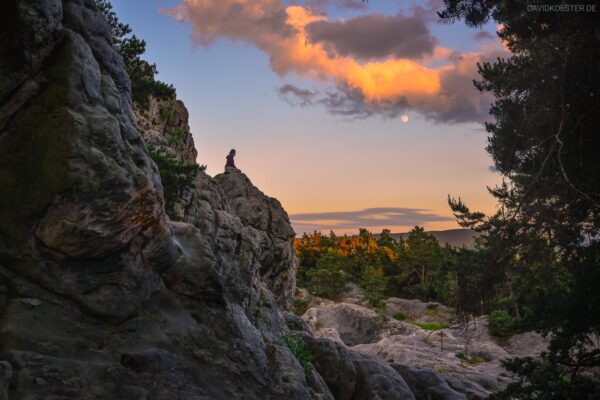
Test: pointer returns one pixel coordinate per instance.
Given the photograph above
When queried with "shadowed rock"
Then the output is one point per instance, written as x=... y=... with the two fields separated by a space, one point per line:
x=81 y=213
x=350 y=374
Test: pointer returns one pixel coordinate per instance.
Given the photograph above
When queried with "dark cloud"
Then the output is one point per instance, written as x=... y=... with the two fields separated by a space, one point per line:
x=367 y=218
x=350 y=102
x=374 y=36
x=343 y=100
x=296 y=96
x=459 y=100
x=318 y=5
x=484 y=35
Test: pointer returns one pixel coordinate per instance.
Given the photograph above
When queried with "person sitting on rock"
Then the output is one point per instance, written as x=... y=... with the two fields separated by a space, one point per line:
x=229 y=158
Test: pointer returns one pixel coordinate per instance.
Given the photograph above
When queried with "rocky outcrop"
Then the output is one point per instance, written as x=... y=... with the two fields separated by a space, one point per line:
x=351 y=374
x=164 y=124
x=418 y=311
x=274 y=236
x=450 y=363
x=264 y=223
x=100 y=295
x=353 y=324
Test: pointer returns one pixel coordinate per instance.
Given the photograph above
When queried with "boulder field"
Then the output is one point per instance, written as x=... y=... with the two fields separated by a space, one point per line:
x=437 y=357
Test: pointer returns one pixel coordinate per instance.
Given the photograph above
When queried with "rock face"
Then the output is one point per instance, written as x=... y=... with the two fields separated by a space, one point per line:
x=81 y=211
x=165 y=128
x=274 y=236
x=100 y=296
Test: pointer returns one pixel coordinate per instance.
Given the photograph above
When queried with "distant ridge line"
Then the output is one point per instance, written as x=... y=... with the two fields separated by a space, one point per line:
x=452 y=237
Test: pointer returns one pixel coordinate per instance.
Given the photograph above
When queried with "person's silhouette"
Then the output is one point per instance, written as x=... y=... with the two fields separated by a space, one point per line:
x=229 y=158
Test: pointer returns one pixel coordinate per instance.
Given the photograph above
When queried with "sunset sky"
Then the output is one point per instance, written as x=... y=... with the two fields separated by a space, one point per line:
x=351 y=115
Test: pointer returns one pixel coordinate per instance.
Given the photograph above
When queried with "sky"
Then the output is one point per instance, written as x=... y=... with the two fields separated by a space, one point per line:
x=351 y=114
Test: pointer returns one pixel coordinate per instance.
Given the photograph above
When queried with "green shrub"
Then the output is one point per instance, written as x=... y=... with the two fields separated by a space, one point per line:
x=142 y=74
x=374 y=283
x=430 y=313
x=164 y=111
x=380 y=319
x=501 y=323
x=300 y=306
x=400 y=316
x=175 y=177
x=300 y=351
x=176 y=136
x=326 y=282
x=318 y=325
x=432 y=306
x=470 y=360
x=326 y=279
x=431 y=326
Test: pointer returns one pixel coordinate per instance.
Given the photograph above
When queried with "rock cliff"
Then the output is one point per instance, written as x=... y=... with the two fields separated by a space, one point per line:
x=273 y=233
x=165 y=128
x=101 y=296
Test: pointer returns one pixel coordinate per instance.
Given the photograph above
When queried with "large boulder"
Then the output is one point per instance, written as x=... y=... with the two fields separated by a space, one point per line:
x=418 y=311
x=427 y=384
x=353 y=324
x=351 y=374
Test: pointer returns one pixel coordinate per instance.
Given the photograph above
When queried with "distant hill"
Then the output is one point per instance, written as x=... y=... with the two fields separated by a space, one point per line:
x=454 y=237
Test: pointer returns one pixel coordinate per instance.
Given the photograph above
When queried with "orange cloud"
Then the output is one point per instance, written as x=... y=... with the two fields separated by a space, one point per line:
x=389 y=84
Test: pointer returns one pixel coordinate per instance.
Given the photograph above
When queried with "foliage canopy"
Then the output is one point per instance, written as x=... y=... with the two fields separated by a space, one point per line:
x=544 y=240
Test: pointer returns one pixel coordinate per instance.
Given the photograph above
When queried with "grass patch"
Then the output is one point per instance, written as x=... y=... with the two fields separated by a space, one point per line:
x=176 y=136
x=470 y=360
x=400 y=316
x=431 y=313
x=300 y=306
x=300 y=351
x=318 y=325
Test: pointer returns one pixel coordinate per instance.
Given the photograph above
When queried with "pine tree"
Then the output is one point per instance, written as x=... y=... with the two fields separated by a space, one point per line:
x=544 y=140
x=131 y=48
